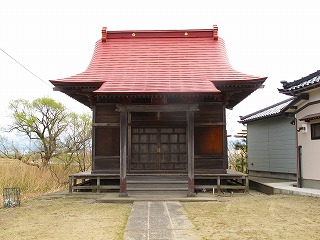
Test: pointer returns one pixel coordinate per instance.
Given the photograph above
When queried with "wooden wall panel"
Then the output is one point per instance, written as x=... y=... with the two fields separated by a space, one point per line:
x=209 y=140
x=209 y=113
x=143 y=116
x=107 y=141
x=107 y=164
x=106 y=114
x=158 y=118
x=207 y=164
x=106 y=138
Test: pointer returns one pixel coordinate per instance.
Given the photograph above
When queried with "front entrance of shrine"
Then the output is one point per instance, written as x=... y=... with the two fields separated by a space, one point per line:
x=158 y=149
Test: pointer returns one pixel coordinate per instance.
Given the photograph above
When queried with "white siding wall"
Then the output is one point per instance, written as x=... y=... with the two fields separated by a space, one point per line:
x=272 y=145
x=310 y=148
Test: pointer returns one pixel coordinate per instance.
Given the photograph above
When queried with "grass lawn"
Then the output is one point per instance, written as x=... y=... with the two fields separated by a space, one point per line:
x=257 y=216
x=64 y=218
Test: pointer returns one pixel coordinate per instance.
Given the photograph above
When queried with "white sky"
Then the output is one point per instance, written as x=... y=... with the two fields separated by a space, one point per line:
x=55 y=39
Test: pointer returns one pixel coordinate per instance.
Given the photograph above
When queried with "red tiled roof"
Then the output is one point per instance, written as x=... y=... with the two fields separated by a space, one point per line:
x=177 y=61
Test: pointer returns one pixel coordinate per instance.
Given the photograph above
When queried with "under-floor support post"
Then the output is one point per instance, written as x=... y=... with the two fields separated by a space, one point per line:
x=98 y=184
x=218 y=185
x=70 y=184
x=247 y=184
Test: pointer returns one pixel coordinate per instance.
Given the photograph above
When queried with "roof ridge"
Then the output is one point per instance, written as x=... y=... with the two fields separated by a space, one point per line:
x=181 y=33
x=303 y=79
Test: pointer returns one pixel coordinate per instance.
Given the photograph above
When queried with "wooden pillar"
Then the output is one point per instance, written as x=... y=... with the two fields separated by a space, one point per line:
x=225 y=140
x=74 y=183
x=190 y=133
x=93 y=153
x=123 y=153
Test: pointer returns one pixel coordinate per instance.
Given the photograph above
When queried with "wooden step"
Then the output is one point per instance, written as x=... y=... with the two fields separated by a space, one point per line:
x=157 y=189
x=157 y=183
x=157 y=178
x=162 y=182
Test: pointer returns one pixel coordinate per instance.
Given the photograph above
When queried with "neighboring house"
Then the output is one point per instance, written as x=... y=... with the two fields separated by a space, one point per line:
x=271 y=142
x=306 y=106
x=158 y=100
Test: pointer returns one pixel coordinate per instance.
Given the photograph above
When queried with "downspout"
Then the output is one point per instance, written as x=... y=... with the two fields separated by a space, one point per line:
x=298 y=156
x=299 y=147
x=299 y=177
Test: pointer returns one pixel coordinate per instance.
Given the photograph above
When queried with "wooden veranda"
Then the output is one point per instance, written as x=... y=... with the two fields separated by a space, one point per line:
x=231 y=181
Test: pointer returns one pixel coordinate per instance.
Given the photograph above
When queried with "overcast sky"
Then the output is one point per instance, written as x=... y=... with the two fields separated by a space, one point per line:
x=56 y=39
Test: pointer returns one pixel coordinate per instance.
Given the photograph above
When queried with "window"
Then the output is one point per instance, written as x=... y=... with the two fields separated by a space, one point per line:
x=315 y=131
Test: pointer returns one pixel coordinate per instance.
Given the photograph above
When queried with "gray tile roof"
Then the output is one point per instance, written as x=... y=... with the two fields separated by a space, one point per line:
x=270 y=111
x=304 y=83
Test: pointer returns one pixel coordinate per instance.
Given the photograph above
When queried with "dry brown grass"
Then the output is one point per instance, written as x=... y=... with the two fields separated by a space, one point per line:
x=31 y=180
x=64 y=218
x=61 y=218
x=257 y=216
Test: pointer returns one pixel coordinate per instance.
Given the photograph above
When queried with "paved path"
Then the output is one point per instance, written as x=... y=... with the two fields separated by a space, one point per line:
x=158 y=220
x=286 y=187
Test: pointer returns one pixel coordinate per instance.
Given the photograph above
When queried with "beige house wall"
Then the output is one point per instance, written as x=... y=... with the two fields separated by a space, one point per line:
x=310 y=164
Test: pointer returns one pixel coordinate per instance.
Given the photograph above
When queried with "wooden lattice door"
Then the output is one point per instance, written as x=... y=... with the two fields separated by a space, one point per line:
x=158 y=149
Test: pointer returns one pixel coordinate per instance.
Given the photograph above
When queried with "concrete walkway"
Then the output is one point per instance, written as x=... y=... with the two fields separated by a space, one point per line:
x=278 y=186
x=159 y=220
